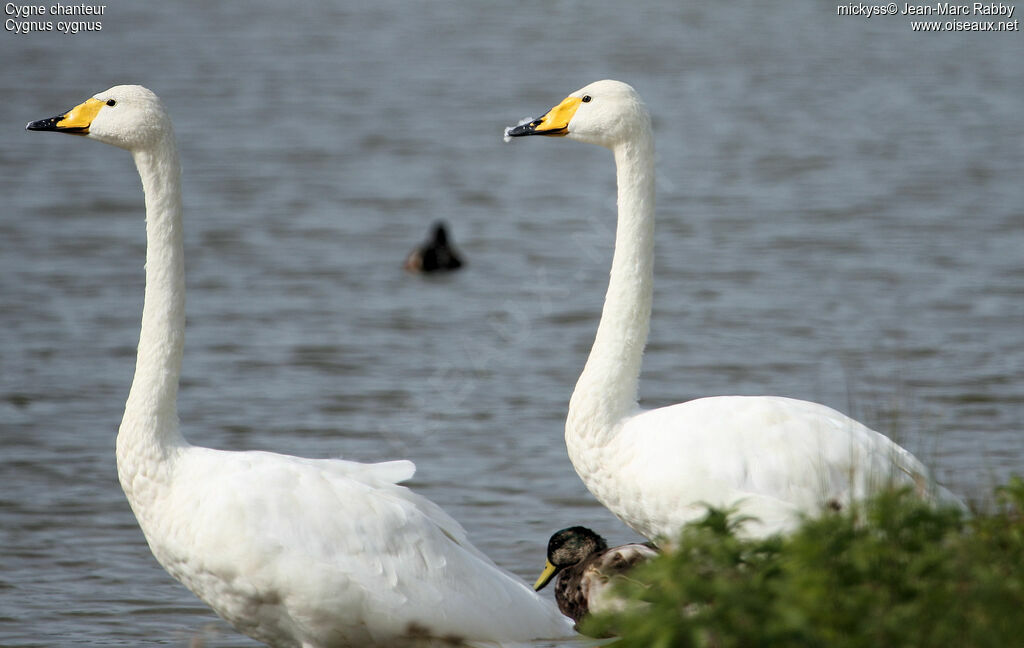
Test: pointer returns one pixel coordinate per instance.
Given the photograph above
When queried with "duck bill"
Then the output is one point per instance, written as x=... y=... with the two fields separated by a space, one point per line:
x=545 y=577
x=554 y=123
x=75 y=121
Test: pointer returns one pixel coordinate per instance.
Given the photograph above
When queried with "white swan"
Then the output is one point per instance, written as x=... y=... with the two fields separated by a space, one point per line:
x=771 y=458
x=290 y=551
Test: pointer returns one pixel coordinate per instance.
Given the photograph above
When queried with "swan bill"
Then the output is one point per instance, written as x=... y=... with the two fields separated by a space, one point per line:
x=75 y=121
x=545 y=576
x=554 y=123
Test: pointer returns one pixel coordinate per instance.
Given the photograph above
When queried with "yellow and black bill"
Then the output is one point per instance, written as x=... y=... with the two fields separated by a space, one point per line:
x=554 y=123
x=75 y=121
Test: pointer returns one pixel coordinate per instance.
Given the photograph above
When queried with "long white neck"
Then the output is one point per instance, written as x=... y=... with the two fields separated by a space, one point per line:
x=149 y=438
x=607 y=389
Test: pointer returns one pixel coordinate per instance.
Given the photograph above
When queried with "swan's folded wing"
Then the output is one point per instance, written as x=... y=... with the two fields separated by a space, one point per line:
x=385 y=472
x=343 y=537
x=772 y=458
x=393 y=473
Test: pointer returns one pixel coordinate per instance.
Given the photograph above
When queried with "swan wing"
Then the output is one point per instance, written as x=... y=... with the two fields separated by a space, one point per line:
x=335 y=551
x=771 y=458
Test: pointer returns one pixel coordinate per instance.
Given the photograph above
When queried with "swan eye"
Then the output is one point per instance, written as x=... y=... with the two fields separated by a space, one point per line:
x=111 y=103
x=585 y=99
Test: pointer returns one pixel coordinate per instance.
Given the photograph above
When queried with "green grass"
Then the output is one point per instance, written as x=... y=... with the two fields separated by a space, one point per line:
x=893 y=573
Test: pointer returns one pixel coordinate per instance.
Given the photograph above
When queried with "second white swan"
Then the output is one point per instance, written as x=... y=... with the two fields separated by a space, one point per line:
x=771 y=458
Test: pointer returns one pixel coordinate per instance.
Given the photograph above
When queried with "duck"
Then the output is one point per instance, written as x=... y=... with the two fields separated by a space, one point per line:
x=772 y=460
x=586 y=569
x=294 y=552
x=437 y=254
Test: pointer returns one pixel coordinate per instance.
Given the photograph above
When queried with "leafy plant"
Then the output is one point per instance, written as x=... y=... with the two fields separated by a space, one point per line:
x=893 y=571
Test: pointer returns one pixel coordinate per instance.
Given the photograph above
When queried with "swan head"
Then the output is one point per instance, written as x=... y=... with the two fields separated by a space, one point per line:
x=605 y=113
x=569 y=547
x=127 y=116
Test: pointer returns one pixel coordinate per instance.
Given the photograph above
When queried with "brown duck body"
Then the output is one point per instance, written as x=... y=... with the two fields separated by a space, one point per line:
x=585 y=588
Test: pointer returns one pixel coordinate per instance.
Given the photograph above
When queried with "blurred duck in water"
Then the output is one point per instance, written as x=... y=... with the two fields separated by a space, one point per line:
x=436 y=255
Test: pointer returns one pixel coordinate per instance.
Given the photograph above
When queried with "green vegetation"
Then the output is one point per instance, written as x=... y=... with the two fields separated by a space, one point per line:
x=893 y=573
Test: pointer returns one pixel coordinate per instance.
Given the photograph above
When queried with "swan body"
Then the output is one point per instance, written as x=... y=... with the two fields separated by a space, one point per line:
x=586 y=568
x=294 y=552
x=771 y=459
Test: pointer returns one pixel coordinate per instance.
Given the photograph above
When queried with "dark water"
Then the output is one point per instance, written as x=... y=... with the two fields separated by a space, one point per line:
x=841 y=219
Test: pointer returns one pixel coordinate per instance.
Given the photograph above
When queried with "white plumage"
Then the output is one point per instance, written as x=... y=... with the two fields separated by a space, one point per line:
x=290 y=551
x=770 y=458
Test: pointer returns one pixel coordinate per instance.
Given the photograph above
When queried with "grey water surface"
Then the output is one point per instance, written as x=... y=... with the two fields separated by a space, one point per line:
x=841 y=219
